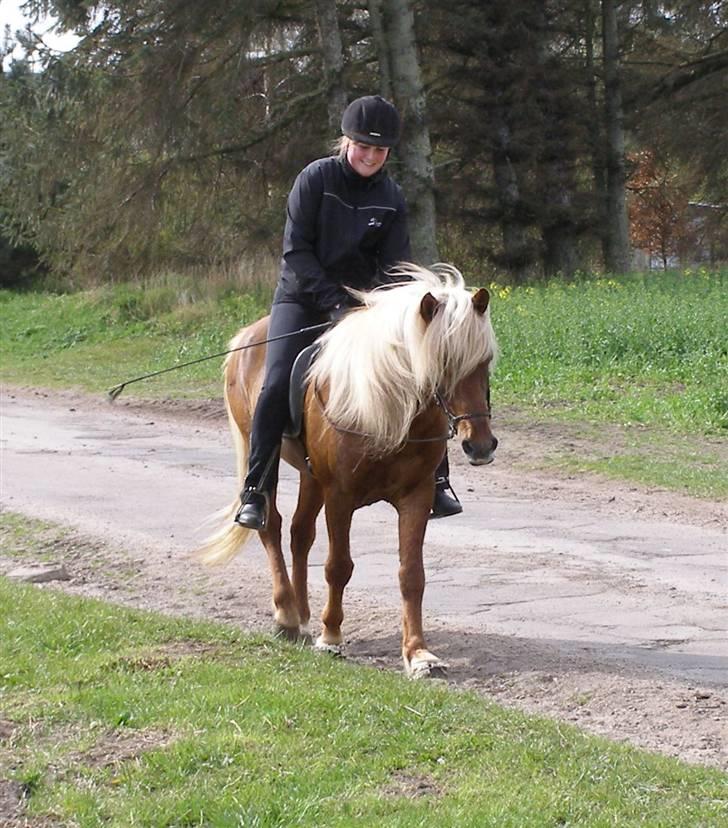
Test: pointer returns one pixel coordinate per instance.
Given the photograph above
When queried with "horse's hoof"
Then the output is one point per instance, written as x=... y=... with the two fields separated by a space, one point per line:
x=425 y=666
x=336 y=650
x=287 y=633
x=427 y=671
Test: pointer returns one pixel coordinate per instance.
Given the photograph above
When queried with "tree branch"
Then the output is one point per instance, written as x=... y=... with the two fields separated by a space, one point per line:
x=688 y=74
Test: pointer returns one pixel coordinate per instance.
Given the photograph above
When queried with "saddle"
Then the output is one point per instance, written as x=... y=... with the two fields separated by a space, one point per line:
x=297 y=390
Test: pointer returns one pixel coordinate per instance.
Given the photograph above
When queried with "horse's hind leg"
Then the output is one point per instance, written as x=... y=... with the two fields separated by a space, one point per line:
x=284 y=602
x=303 y=534
x=338 y=569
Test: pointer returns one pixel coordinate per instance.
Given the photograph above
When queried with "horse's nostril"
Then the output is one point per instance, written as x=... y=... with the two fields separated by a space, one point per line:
x=467 y=447
x=495 y=443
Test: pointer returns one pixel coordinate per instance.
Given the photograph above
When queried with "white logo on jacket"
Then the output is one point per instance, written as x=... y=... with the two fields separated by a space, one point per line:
x=374 y=222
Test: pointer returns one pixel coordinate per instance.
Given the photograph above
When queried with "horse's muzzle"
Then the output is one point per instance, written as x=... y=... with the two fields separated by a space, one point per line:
x=480 y=454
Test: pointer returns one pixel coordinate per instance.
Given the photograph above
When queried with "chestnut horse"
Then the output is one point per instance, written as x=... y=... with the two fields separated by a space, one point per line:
x=392 y=381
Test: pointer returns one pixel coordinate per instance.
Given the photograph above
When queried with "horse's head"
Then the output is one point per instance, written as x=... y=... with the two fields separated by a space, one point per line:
x=468 y=402
x=383 y=365
x=469 y=410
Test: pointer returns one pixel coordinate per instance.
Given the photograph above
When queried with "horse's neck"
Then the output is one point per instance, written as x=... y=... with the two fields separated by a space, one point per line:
x=429 y=422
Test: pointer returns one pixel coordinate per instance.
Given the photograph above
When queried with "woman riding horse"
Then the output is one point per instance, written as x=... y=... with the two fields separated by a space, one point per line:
x=391 y=383
x=346 y=225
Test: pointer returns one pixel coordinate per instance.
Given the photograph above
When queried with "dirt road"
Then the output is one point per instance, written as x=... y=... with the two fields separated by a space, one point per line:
x=602 y=604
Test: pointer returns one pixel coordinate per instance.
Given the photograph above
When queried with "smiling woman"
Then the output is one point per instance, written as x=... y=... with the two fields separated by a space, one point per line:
x=13 y=18
x=366 y=160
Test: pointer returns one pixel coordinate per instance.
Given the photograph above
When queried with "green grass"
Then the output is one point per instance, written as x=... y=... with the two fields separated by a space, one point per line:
x=123 y=718
x=95 y=339
x=646 y=350
x=703 y=474
x=645 y=356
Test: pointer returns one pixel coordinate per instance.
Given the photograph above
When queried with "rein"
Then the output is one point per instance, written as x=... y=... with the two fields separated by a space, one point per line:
x=453 y=420
x=117 y=389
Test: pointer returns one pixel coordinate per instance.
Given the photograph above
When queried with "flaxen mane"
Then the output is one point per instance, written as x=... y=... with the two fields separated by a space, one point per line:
x=384 y=362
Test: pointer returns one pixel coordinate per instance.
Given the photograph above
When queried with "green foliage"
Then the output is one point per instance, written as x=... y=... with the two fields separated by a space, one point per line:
x=118 y=158
x=125 y=718
x=94 y=339
x=648 y=350
x=19 y=263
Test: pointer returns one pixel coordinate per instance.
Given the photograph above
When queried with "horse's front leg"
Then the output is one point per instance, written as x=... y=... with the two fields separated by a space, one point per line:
x=303 y=534
x=285 y=611
x=414 y=510
x=338 y=569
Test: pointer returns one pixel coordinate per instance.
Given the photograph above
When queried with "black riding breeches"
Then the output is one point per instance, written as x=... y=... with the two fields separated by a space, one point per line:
x=271 y=410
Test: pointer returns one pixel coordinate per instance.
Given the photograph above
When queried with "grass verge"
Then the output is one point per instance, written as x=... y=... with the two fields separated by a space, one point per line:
x=94 y=339
x=645 y=350
x=123 y=718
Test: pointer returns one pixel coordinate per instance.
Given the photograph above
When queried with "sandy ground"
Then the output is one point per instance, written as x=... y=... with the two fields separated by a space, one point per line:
x=597 y=603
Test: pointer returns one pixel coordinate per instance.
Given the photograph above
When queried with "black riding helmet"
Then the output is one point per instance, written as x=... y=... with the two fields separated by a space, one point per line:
x=371 y=120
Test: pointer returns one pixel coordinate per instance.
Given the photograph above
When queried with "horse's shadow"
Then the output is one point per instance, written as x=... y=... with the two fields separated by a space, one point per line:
x=475 y=657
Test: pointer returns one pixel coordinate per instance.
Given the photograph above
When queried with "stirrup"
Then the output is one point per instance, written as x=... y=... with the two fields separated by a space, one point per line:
x=444 y=505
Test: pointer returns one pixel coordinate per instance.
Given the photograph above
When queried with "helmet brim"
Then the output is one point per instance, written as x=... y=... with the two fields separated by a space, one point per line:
x=371 y=139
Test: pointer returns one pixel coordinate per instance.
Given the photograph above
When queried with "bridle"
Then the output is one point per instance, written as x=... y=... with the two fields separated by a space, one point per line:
x=453 y=420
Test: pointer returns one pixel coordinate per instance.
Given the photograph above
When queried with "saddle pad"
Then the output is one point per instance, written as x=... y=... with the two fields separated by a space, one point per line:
x=297 y=390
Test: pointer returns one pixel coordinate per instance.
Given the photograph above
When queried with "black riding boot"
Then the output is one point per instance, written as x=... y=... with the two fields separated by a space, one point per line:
x=253 y=513
x=256 y=495
x=444 y=504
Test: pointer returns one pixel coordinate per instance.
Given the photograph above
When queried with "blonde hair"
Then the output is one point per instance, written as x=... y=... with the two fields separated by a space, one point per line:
x=340 y=146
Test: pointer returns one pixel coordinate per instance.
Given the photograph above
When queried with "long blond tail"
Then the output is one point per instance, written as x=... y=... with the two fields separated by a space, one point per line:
x=222 y=546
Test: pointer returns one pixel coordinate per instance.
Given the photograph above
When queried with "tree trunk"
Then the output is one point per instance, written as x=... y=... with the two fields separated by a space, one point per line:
x=515 y=239
x=617 y=259
x=557 y=157
x=559 y=238
x=380 y=44
x=415 y=152
x=560 y=252
x=333 y=62
x=595 y=121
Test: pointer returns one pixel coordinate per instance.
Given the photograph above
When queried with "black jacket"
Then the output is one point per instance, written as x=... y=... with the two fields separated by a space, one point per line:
x=341 y=229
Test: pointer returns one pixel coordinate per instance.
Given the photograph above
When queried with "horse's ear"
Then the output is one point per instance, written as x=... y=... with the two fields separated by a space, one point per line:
x=428 y=307
x=480 y=300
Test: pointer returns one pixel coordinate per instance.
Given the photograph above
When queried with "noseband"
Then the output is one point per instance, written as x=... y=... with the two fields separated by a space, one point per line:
x=454 y=420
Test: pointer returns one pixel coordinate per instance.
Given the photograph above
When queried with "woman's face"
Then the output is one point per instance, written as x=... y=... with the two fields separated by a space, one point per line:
x=365 y=159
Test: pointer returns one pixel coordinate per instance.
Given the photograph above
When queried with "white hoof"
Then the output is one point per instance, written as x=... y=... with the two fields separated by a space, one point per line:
x=332 y=649
x=425 y=665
